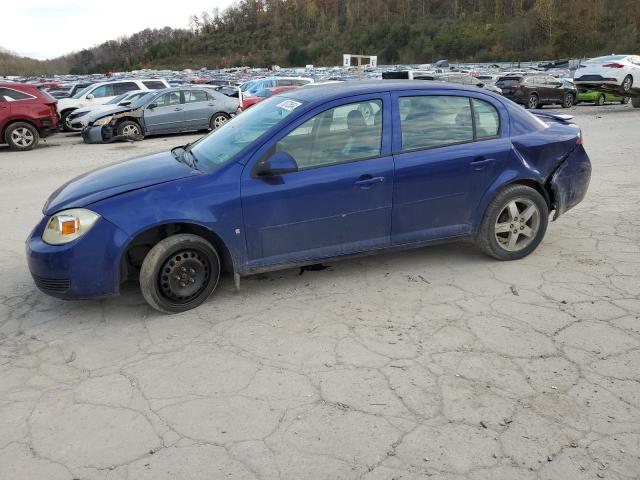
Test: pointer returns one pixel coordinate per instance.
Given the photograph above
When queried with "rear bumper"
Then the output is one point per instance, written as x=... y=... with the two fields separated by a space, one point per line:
x=570 y=182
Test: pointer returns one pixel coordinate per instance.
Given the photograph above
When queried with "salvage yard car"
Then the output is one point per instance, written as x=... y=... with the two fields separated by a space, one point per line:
x=27 y=114
x=616 y=73
x=77 y=119
x=600 y=98
x=171 y=110
x=304 y=177
x=534 y=91
x=100 y=93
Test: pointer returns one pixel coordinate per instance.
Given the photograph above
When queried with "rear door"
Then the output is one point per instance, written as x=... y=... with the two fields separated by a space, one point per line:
x=449 y=150
x=555 y=89
x=198 y=109
x=164 y=114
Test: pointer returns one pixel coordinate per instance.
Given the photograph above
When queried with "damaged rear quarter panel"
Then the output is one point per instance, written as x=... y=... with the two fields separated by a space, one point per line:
x=570 y=181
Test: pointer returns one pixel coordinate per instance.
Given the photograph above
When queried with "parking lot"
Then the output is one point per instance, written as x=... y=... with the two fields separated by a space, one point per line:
x=438 y=362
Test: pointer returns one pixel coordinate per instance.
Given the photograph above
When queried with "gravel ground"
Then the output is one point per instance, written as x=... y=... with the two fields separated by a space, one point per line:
x=435 y=362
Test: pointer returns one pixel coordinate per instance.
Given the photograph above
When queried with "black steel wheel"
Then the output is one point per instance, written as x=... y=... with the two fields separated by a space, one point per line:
x=179 y=273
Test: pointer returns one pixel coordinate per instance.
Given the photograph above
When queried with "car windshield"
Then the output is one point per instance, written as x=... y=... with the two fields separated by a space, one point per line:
x=117 y=99
x=225 y=142
x=141 y=101
x=82 y=92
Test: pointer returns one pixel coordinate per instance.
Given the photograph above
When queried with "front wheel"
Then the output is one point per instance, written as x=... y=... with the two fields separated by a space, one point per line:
x=627 y=83
x=514 y=223
x=635 y=101
x=128 y=128
x=179 y=273
x=21 y=136
x=218 y=120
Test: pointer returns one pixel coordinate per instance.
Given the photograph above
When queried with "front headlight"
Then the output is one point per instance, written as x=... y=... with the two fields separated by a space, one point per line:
x=103 y=121
x=68 y=225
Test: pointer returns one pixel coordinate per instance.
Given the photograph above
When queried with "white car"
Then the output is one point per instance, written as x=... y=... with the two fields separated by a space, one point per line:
x=78 y=119
x=101 y=93
x=619 y=73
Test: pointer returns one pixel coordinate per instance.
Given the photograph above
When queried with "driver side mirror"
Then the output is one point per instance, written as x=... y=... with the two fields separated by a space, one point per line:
x=125 y=103
x=90 y=96
x=277 y=164
x=151 y=106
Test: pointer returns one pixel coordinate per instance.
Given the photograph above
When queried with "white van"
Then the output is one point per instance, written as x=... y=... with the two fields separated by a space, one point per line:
x=101 y=93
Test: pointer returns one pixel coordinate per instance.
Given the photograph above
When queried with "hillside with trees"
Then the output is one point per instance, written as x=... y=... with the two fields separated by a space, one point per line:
x=298 y=32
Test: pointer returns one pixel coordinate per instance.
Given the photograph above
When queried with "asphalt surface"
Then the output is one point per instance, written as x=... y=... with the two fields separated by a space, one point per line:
x=436 y=362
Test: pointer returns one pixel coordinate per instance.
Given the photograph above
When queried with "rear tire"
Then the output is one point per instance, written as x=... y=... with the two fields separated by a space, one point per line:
x=600 y=100
x=21 y=136
x=635 y=101
x=218 y=120
x=179 y=273
x=627 y=83
x=625 y=100
x=514 y=223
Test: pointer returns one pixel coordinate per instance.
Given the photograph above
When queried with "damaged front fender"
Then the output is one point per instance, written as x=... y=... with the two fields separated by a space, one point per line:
x=570 y=181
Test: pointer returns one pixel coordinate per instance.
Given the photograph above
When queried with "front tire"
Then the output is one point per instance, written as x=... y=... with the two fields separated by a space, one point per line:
x=129 y=128
x=627 y=83
x=64 y=121
x=514 y=223
x=179 y=273
x=635 y=101
x=21 y=136
x=567 y=101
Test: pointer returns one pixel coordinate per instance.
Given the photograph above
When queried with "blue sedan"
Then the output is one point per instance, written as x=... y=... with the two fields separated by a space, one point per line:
x=314 y=174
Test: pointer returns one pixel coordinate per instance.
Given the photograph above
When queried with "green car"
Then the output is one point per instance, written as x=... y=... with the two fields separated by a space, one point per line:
x=599 y=98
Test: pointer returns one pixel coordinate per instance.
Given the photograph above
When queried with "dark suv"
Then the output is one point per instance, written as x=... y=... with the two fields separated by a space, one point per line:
x=534 y=91
x=26 y=115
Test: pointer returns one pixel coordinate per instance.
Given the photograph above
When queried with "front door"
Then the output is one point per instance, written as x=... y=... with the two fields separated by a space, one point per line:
x=164 y=114
x=449 y=150
x=339 y=201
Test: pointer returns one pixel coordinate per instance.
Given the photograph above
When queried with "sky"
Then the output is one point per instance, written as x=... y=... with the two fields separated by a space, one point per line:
x=48 y=29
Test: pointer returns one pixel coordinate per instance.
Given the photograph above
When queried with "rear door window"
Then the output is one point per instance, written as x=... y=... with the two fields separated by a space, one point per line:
x=193 y=96
x=124 y=87
x=434 y=121
x=487 y=119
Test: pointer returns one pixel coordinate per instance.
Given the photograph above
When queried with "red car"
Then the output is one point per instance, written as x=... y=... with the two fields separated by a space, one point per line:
x=26 y=115
x=250 y=100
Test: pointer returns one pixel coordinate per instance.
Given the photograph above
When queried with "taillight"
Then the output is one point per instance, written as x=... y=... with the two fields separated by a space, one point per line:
x=613 y=65
x=580 y=139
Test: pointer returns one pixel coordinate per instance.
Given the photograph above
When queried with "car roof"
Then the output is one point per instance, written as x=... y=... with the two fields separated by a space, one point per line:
x=331 y=91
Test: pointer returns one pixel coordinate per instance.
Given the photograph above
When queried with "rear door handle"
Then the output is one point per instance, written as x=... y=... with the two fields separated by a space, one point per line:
x=480 y=163
x=177 y=109
x=367 y=181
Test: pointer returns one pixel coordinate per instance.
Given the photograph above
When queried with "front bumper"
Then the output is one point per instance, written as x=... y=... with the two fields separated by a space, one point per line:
x=93 y=134
x=570 y=181
x=85 y=268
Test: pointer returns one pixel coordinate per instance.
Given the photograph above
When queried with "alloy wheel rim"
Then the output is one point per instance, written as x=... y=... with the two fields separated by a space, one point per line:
x=219 y=121
x=22 y=137
x=626 y=84
x=533 y=102
x=130 y=130
x=517 y=224
x=184 y=276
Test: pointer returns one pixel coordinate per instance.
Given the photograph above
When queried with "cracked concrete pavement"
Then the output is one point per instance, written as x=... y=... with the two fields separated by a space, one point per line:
x=438 y=362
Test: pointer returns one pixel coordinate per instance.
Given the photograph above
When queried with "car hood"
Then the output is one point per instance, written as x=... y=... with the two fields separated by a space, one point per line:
x=116 y=179
x=109 y=111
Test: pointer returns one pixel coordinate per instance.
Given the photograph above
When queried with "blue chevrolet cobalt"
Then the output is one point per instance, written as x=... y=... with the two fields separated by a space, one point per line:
x=314 y=174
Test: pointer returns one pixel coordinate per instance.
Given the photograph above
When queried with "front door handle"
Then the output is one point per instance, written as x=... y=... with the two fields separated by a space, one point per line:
x=480 y=163
x=177 y=109
x=367 y=181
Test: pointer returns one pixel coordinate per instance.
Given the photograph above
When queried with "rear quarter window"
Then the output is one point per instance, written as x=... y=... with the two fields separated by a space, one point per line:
x=11 y=95
x=487 y=119
x=154 y=84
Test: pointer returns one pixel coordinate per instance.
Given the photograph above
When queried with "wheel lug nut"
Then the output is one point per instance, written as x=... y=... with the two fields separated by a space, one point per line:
x=192 y=280
x=192 y=271
x=182 y=284
x=522 y=228
x=183 y=269
x=511 y=225
x=177 y=277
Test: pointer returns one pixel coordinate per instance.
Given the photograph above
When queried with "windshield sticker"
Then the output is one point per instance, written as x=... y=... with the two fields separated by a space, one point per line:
x=289 y=105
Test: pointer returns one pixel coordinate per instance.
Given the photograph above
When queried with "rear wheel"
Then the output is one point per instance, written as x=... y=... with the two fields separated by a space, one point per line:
x=179 y=273
x=218 y=120
x=635 y=101
x=21 y=136
x=627 y=83
x=533 y=102
x=514 y=223
x=600 y=100
x=567 y=101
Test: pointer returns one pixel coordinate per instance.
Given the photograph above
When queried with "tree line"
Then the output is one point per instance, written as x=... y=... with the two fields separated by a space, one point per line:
x=299 y=32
